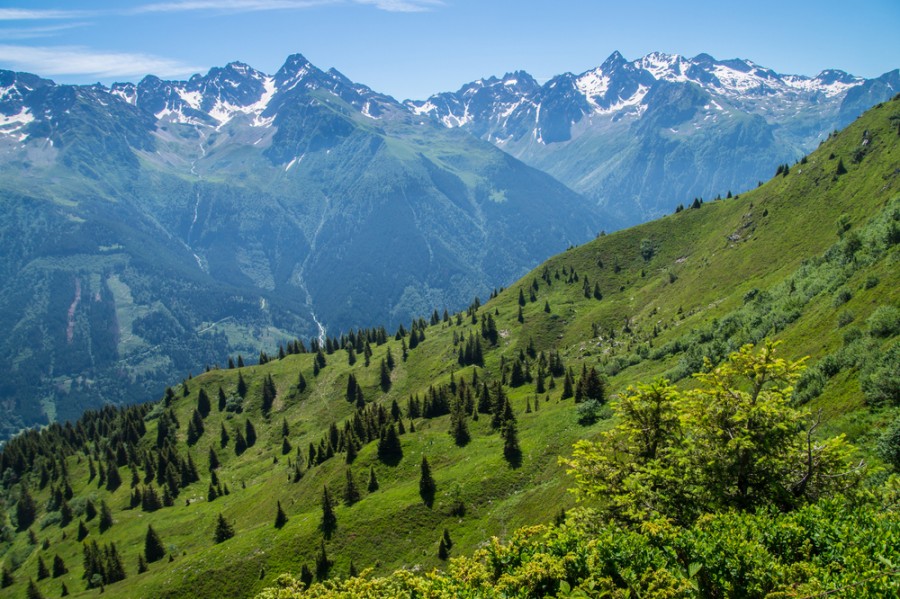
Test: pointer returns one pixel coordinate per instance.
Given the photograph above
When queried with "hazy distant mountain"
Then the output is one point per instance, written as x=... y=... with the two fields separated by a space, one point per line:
x=641 y=136
x=152 y=229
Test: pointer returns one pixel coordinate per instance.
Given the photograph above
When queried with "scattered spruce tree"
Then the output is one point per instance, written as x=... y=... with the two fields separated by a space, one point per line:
x=153 y=546
x=241 y=386
x=59 y=566
x=841 y=169
x=280 y=517
x=323 y=564
x=351 y=491
x=385 y=377
x=443 y=551
x=64 y=590
x=301 y=383
x=268 y=395
x=222 y=399
x=6 y=577
x=33 y=592
x=82 y=531
x=329 y=519
x=389 y=449
x=373 y=480
x=427 y=486
x=447 y=540
x=106 y=517
x=26 y=509
x=224 y=530
x=249 y=433
x=203 y=404
x=42 y=571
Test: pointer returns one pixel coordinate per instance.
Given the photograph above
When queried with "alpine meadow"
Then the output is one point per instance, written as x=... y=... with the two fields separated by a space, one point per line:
x=703 y=405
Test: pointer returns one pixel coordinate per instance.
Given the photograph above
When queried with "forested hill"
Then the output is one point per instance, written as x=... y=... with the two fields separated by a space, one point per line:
x=385 y=450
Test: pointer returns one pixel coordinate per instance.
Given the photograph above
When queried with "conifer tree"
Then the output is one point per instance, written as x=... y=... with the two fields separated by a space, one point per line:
x=33 y=592
x=427 y=486
x=26 y=509
x=6 y=577
x=351 y=491
x=329 y=519
x=448 y=542
x=268 y=395
x=443 y=552
x=106 y=518
x=301 y=383
x=459 y=427
x=389 y=449
x=323 y=564
x=42 y=571
x=142 y=564
x=385 y=378
x=153 y=546
x=222 y=399
x=65 y=514
x=280 y=517
x=567 y=386
x=373 y=480
x=82 y=531
x=285 y=446
x=250 y=433
x=64 y=590
x=241 y=385
x=841 y=169
x=203 y=405
x=306 y=576
x=224 y=530
x=223 y=436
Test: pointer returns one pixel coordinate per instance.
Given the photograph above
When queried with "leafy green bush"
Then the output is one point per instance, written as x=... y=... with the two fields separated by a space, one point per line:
x=889 y=445
x=880 y=379
x=884 y=322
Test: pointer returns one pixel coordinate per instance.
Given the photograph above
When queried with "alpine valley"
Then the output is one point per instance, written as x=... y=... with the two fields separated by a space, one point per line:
x=151 y=230
x=719 y=386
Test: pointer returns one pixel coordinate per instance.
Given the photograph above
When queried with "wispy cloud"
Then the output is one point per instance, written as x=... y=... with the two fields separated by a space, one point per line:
x=229 y=5
x=26 y=33
x=77 y=60
x=268 y=5
x=27 y=14
x=403 y=5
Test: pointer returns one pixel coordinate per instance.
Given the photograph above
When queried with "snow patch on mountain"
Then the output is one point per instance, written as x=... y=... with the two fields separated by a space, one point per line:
x=12 y=125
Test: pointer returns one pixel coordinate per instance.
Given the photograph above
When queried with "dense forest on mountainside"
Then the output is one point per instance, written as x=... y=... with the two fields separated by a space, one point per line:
x=414 y=448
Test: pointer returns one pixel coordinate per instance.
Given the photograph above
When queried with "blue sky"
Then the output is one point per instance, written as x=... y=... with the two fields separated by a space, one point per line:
x=413 y=48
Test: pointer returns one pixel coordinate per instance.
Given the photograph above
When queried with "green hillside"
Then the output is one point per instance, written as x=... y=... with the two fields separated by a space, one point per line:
x=809 y=258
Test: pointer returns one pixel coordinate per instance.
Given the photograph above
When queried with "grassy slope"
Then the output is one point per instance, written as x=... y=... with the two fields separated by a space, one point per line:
x=780 y=225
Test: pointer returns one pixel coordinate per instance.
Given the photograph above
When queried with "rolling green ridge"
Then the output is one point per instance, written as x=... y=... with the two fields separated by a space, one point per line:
x=810 y=258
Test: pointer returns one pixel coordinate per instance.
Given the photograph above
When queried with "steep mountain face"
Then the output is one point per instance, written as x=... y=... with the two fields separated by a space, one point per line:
x=152 y=229
x=639 y=137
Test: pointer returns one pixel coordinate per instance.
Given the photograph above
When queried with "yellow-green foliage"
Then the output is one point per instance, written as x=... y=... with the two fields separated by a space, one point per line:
x=733 y=442
x=845 y=547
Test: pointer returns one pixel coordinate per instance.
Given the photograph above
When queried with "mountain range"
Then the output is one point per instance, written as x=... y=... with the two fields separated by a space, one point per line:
x=155 y=228
x=639 y=137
